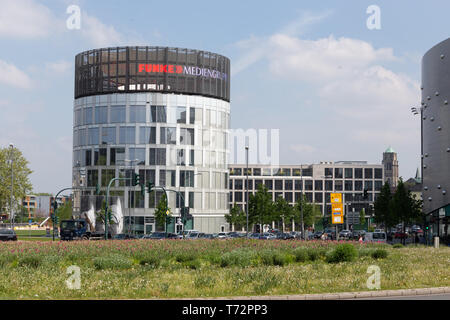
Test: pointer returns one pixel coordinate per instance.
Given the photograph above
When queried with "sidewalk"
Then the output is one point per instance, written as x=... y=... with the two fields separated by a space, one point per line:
x=340 y=296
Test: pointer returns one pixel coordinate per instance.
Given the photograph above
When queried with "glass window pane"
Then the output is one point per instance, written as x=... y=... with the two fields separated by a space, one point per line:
x=109 y=135
x=117 y=156
x=137 y=154
x=348 y=173
x=127 y=135
x=88 y=115
x=93 y=134
x=118 y=114
x=101 y=114
x=147 y=135
x=181 y=114
x=137 y=114
x=168 y=136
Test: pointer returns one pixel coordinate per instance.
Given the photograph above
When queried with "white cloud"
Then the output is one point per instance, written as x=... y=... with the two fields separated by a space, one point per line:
x=302 y=148
x=12 y=76
x=356 y=99
x=58 y=66
x=256 y=48
x=25 y=19
x=98 y=33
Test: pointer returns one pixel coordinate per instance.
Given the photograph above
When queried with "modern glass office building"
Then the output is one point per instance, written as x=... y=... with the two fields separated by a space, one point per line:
x=162 y=113
x=315 y=181
x=435 y=112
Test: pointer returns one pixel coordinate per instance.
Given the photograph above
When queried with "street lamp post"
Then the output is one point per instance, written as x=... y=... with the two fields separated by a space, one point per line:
x=11 y=146
x=301 y=204
x=416 y=111
x=129 y=197
x=182 y=205
x=246 y=191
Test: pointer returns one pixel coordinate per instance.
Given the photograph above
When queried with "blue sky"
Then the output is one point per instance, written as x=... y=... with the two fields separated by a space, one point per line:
x=334 y=88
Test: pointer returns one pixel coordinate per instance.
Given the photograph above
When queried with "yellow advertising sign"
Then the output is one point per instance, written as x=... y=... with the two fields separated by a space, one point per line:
x=337 y=208
x=336 y=198
x=338 y=220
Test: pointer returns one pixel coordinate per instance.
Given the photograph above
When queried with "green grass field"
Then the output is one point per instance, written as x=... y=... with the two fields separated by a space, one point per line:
x=30 y=232
x=141 y=269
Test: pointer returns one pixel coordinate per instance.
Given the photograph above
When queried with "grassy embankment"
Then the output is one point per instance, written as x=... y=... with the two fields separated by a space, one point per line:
x=215 y=268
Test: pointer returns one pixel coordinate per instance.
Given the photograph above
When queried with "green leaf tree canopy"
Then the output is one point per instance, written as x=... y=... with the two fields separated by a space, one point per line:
x=236 y=217
x=21 y=182
x=383 y=207
x=311 y=212
x=261 y=208
x=282 y=211
x=161 y=211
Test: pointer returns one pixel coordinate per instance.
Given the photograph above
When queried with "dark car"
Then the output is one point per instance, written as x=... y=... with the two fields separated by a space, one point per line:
x=124 y=236
x=357 y=233
x=160 y=235
x=284 y=236
x=267 y=236
x=317 y=234
x=7 y=235
x=253 y=235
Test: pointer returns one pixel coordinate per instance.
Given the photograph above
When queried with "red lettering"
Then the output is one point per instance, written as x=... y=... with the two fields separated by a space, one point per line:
x=156 y=68
x=148 y=68
x=179 y=69
x=163 y=68
x=141 y=67
x=170 y=68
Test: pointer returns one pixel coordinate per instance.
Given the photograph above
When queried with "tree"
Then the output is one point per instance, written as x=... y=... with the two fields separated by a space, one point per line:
x=162 y=212
x=236 y=217
x=383 y=207
x=21 y=182
x=283 y=211
x=65 y=211
x=362 y=217
x=311 y=212
x=261 y=206
x=405 y=207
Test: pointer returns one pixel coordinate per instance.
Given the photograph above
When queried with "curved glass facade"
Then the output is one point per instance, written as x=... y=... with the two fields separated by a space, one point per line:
x=174 y=140
x=436 y=128
x=156 y=69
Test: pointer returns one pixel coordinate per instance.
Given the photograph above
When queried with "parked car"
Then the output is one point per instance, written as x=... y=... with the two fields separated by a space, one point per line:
x=193 y=235
x=284 y=236
x=331 y=234
x=233 y=234
x=296 y=234
x=317 y=234
x=375 y=237
x=400 y=235
x=124 y=236
x=357 y=233
x=345 y=234
x=161 y=235
x=222 y=235
x=8 y=235
x=254 y=235
x=267 y=236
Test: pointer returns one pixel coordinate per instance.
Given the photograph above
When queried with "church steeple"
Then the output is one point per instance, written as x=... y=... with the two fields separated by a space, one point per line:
x=418 y=178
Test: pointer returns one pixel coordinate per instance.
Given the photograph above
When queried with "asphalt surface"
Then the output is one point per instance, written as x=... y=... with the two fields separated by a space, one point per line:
x=445 y=296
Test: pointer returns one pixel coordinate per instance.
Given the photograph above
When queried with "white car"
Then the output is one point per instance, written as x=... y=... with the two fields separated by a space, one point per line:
x=375 y=237
x=222 y=235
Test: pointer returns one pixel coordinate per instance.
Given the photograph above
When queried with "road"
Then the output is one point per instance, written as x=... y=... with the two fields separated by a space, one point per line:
x=440 y=296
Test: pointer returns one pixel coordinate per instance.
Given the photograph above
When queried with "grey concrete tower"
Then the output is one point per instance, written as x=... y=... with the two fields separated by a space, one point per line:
x=435 y=114
x=390 y=165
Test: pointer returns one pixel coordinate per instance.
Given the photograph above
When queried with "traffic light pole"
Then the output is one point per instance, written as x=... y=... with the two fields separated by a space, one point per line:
x=55 y=205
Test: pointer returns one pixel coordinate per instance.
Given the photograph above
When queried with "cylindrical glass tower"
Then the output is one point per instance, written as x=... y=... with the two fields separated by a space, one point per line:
x=162 y=113
x=436 y=130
